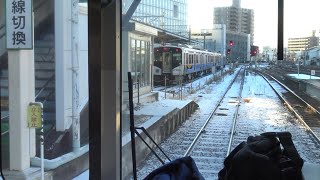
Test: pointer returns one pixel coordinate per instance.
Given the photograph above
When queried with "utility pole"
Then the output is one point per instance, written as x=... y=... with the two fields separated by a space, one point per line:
x=75 y=75
x=280 y=30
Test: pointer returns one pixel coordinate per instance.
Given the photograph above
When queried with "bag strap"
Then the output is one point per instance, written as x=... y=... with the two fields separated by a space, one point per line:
x=289 y=149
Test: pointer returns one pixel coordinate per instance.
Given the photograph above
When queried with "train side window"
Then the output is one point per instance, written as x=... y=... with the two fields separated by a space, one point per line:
x=187 y=58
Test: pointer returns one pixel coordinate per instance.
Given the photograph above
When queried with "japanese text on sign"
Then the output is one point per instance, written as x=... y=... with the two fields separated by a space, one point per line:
x=19 y=24
x=34 y=116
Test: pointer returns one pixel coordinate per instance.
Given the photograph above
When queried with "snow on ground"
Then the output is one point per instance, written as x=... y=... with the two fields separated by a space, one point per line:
x=266 y=113
x=260 y=109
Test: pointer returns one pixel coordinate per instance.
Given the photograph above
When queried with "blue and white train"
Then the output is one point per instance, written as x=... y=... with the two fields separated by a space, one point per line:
x=182 y=61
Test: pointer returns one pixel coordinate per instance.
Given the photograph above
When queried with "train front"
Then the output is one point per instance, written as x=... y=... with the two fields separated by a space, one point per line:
x=167 y=64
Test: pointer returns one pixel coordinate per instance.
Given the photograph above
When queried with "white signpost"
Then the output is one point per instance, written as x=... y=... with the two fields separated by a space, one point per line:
x=19 y=27
x=19 y=43
x=313 y=72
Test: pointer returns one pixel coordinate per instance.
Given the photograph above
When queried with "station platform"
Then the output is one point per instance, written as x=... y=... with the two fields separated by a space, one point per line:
x=160 y=119
x=313 y=88
x=307 y=83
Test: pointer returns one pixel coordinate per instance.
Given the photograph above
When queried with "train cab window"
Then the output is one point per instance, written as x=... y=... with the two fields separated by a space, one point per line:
x=176 y=57
x=157 y=55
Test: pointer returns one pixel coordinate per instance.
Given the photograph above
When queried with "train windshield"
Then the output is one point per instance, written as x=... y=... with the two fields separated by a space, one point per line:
x=167 y=58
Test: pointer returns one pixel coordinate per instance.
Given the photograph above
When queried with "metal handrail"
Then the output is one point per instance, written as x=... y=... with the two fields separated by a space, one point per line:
x=39 y=92
x=44 y=86
x=4 y=117
x=1 y=27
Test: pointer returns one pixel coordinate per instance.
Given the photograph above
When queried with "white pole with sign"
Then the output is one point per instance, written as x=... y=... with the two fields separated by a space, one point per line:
x=19 y=41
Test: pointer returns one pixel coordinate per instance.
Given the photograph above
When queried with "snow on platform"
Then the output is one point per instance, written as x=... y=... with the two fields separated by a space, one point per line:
x=303 y=76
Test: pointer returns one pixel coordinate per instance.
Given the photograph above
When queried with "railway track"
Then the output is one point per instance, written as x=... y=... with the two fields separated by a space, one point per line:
x=293 y=85
x=306 y=113
x=208 y=136
x=209 y=152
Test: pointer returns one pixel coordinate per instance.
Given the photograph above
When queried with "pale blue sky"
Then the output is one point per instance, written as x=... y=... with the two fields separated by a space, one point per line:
x=301 y=17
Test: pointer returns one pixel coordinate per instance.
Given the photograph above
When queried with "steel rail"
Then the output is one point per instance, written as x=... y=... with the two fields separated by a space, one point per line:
x=288 y=89
x=235 y=117
x=289 y=106
x=209 y=117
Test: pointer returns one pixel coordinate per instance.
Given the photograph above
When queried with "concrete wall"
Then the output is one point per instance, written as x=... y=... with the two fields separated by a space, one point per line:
x=313 y=91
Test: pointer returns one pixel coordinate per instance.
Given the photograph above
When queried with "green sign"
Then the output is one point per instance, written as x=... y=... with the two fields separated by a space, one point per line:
x=35 y=115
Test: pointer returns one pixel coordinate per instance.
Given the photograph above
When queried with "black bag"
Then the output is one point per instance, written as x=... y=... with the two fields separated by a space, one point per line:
x=262 y=158
x=179 y=169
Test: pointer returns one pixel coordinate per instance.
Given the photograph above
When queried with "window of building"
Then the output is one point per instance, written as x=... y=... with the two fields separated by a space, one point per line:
x=139 y=62
x=175 y=11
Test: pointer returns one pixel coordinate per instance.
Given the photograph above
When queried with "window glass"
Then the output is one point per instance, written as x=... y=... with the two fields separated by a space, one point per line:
x=133 y=61
x=143 y=63
x=175 y=11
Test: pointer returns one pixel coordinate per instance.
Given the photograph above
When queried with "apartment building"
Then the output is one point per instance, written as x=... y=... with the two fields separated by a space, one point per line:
x=236 y=19
x=303 y=43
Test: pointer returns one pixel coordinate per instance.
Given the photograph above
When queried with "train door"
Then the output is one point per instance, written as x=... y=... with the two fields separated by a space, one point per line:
x=167 y=62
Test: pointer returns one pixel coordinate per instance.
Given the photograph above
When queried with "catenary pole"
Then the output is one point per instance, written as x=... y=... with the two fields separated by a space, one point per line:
x=280 y=30
x=75 y=75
